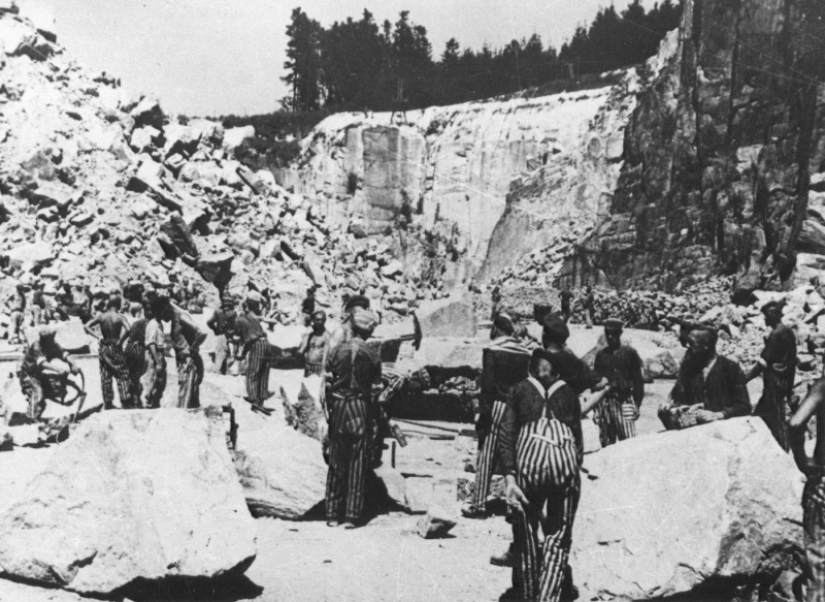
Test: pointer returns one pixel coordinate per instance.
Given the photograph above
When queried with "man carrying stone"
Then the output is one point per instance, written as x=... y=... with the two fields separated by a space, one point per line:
x=16 y=304
x=313 y=347
x=353 y=368
x=186 y=340
x=709 y=386
x=39 y=359
x=542 y=448
x=813 y=497
x=621 y=365
x=777 y=365
x=155 y=377
x=254 y=346
x=504 y=363
x=113 y=327
x=222 y=324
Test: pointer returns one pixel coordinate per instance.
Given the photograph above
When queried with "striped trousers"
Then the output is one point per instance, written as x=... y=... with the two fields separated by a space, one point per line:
x=348 y=458
x=541 y=558
x=190 y=375
x=257 y=371
x=113 y=367
x=813 y=518
x=136 y=362
x=33 y=389
x=613 y=426
x=487 y=458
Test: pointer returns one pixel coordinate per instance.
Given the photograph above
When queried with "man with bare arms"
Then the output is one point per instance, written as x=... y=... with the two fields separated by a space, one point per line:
x=113 y=326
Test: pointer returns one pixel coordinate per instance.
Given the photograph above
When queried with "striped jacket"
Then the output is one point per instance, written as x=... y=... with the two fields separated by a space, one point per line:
x=525 y=405
x=504 y=363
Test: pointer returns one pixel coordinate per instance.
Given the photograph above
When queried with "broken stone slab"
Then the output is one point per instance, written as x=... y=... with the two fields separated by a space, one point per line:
x=282 y=472
x=447 y=318
x=50 y=194
x=669 y=512
x=148 y=112
x=302 y=403
x=216 y=268
x=436 y=523
x=30 y=256
x=126 y=519
x=421 y=493
x=178 y=232
x=236 y=137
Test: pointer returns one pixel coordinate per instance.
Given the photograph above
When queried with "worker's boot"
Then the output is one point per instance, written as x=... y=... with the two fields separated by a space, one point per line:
x=569 y=592
x=505 y=559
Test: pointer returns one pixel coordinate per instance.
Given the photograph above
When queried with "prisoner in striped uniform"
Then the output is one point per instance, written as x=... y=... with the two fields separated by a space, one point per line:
x=222 y=324
x=155 y=377
x=504 y=363
x=777 y=365
x=541 y=448
x=135 y=352
x=353 y=369
x=254 y=346
x=186 y=341
x=113 y=365
x=621 y=365
x=813 y=497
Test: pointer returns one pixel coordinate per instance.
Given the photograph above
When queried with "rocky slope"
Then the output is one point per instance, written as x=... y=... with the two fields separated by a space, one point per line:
x=100 y=189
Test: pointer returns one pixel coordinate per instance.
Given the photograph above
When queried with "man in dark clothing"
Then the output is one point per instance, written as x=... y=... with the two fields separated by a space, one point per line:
x=777 y=365
x=222 y=324
x=40 y=314
x=813 y=497
x=589 y=306
x=113 y=366
x=38 y=361
x=572 y=369
x=504 y=363
x=621 y=365
x=541 y=448
x=352 y=370
x=253 y=344
x=308 y=305
x=709 y=387
x=566 y=296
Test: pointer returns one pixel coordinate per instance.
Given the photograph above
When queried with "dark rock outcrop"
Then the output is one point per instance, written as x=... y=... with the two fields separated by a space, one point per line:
x=724 y=155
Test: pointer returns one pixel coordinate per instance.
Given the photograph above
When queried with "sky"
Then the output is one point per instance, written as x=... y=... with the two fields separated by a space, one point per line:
x=220 y=57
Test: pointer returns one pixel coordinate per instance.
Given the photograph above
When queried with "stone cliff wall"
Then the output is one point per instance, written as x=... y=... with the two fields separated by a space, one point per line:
x=452 y=169
x=724 y=157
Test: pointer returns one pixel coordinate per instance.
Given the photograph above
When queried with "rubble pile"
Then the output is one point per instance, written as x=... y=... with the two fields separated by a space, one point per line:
x=100 y=189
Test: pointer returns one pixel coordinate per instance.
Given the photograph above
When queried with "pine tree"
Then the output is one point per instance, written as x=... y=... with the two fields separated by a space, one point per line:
x=303 y=62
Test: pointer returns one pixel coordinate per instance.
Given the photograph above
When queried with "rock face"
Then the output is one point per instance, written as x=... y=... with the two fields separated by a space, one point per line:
x=131 y=495
x=671 y=511
x=449 y=170
x=282 y=472
x=724 y=154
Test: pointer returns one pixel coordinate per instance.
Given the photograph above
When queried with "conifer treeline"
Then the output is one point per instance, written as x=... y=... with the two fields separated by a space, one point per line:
x=359 y=65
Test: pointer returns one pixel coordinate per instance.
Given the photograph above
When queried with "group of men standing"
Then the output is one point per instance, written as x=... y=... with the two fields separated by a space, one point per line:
x=529 y=425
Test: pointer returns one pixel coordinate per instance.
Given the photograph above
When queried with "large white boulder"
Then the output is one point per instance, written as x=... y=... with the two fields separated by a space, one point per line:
x=447 y=318
x=144 y=494
x=235 y=137
x=671 y=511
x=282 y=471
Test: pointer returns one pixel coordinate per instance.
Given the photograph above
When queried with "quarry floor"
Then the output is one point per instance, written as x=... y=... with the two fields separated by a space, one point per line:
x=384 y=560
